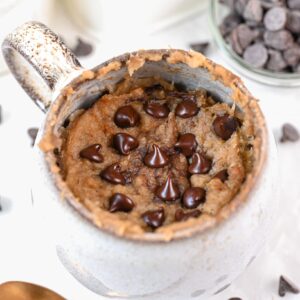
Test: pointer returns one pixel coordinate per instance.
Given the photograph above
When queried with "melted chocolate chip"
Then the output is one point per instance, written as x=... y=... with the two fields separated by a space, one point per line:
x=113 y=174
x=154 y=218
x=126 y=116
x=156 y=158
x=186 y=144
x=169 y=191
x=124 y=143
x=120 y=202
x=286 y=285
x=186 y=109
x=193 y=197
x=200 y=164
x=222 y=175
x=225 y=126
x=92 y=153
x=157 y=110
x=180 y=215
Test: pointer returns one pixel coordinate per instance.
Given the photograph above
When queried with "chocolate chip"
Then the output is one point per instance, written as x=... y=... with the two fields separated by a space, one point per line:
x=82 y=48
x=153 y=88
x=193 y=197
x=200 y=164
x=229 y=23
x=169 y=191
x=235 y=298
x=256 y=55
x=180 y=215
x=156 y=157
x=285 y=285
x=157 y=110
x=293 y=21
x=289 y=133
x=241 y=37
x=186 y=109
x=294 y=4
x=113 y=174
x=225 y=126
x=276 y=61
x=120 y=202
x=240 y=6
x=32 y=132
x=279 y=40
x=126 y=116
x=222 y=175
x=275 y=18
x=124 y=143
x=253 y=11
x=154 y=218
x=200 y=47
x=292 y=55
x=186 y=144
x=92 y=153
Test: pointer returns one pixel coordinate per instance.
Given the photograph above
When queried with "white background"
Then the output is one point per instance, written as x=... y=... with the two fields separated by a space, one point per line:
x=24 y=251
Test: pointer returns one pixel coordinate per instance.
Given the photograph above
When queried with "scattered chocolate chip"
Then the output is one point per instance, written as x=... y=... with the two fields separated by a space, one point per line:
x=276 y=61
x=186 y=144
x=186 y=109
x=157 y=110
x=289 y=133
x=193 y=197
x=256 y=55
x=200 y=47
x=92 y=153
x=32 y=132
x=200 y=164
x=253 y=11
x=126 y=116
x=154 y=218
x=169 y=191
x=225 y=126
x=285 y=285
x=180 y=215
x=156 y=157
x=222 y=175
x=279 y=40
x=113 y=174
x=82 y=48
x=120 y=202
x=124 y=143
x=275 y=18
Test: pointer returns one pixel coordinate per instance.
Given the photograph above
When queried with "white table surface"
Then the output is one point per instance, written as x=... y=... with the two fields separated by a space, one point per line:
x=24 y=251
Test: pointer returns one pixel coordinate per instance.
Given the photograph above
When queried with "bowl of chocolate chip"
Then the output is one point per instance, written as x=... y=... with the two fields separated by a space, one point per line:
x=157 y=171
x=259 y=38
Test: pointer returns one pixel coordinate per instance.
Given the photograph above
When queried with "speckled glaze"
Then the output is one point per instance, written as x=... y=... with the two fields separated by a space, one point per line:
x=193 y=266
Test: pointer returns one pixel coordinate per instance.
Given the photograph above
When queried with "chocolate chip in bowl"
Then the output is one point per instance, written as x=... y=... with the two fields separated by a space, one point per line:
x=259 y=38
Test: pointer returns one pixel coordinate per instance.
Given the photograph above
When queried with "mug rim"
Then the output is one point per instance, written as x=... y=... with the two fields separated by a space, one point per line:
x=48 y=142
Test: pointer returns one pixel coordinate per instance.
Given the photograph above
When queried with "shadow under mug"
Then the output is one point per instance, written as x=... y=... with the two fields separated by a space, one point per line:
x=196 y=263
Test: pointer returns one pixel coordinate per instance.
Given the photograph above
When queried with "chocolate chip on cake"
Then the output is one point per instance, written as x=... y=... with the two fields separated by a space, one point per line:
x=156 y=157
x=154 y=218
x=200 y=164
x=222 y=175
x=124 y=143
x=120 y=202
x=225 y=126
x=169 y=191
x=180 y=215
x=186 y=144
x=289 y=133
x=285 y=285
x=92 y=153
x=157 y=110
x=186 y=109
x=193 y=197
x=113 y=174
x=126 y=116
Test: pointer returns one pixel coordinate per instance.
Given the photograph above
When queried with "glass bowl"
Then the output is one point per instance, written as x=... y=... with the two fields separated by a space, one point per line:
x=217 y=12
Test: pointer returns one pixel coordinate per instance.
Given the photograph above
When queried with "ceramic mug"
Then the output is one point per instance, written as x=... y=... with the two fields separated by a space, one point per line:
x=198 y=261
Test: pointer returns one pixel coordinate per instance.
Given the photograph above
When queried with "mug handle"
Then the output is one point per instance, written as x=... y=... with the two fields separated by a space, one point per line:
x=40 y=62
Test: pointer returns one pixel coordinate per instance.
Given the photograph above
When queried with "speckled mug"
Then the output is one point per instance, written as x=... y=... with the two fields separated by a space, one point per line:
x=199 y=260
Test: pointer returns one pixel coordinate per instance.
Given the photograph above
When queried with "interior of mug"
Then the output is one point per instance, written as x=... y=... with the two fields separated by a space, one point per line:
x=181 y=70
